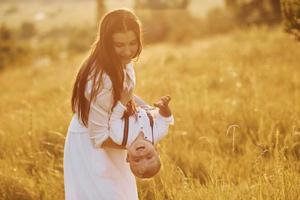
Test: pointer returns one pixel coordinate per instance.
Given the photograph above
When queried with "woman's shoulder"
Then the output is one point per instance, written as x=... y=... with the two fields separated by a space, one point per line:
x=103 y=80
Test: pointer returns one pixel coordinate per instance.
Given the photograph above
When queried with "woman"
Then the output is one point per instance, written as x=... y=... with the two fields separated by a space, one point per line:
x=91 y=170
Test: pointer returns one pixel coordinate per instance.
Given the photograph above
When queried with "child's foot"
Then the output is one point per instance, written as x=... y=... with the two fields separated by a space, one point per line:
x=163 y=102
x=163 y=105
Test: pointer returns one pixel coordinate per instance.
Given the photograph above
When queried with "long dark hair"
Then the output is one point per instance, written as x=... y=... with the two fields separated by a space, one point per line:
x=103 y=59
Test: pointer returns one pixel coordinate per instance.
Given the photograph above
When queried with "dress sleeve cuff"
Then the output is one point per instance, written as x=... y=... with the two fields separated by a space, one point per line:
x=98 y=141
x=169 y=119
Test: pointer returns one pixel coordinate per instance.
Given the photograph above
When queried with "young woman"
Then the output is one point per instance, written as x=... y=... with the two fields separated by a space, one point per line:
x=92 y=169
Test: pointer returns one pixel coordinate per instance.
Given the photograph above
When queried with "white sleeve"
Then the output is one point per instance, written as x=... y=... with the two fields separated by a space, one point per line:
x=99 y=114
x=139 y=101
x=116 y=123
x=161 y=126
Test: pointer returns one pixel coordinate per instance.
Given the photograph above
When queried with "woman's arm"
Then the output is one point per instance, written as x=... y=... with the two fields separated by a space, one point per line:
x=116 y=123
x=98 y=121
x=103 y=131
x=111 y=144
x=139 y=101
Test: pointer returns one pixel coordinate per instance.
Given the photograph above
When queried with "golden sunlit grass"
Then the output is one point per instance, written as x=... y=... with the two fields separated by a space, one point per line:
x=242 y=86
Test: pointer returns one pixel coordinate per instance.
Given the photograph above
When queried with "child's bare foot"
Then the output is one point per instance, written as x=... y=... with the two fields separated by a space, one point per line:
x=163 y=102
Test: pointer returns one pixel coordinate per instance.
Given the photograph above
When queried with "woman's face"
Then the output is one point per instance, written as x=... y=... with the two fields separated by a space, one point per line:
x=125 y=45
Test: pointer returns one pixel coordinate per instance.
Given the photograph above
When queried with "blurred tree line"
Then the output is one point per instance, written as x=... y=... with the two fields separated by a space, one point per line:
x=161 y=4
x=247 y=12
x=240 y=12
x=147 y=4
x=14 y=46
x=160 y=19
x=163 y=20
x=270 y=12
x=291 y=13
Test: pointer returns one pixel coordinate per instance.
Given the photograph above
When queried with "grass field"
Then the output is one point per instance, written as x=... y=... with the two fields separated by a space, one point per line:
x=237 y=112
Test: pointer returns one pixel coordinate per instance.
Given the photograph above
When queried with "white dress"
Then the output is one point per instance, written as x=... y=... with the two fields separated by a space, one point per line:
x=91 y=172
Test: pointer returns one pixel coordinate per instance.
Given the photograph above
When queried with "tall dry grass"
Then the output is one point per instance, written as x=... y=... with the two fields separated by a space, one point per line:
x=236 y=105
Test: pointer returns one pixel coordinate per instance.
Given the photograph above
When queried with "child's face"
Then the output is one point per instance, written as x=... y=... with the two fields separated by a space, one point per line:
x=143 y=158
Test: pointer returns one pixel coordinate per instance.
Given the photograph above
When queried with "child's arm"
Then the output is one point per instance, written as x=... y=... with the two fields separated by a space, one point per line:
x=163 y=120
x=116 y=123
x=139 y=101
x=161 y=126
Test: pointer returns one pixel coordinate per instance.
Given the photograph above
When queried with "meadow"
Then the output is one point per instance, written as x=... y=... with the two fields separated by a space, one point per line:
x=235 y=98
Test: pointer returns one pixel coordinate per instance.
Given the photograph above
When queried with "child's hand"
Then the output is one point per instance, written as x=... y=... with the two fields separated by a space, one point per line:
x=163 y=105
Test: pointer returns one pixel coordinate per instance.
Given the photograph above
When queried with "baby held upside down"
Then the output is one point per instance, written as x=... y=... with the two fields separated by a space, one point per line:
x=145 y=128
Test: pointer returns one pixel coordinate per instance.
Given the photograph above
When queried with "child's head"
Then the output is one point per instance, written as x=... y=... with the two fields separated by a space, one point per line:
x=143 y=159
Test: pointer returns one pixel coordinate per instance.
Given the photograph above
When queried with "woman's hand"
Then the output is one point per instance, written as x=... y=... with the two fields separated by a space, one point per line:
x=109 y=143
x=126 y=95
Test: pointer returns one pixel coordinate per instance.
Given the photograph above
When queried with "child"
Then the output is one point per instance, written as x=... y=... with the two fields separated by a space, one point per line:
x=144 y=130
